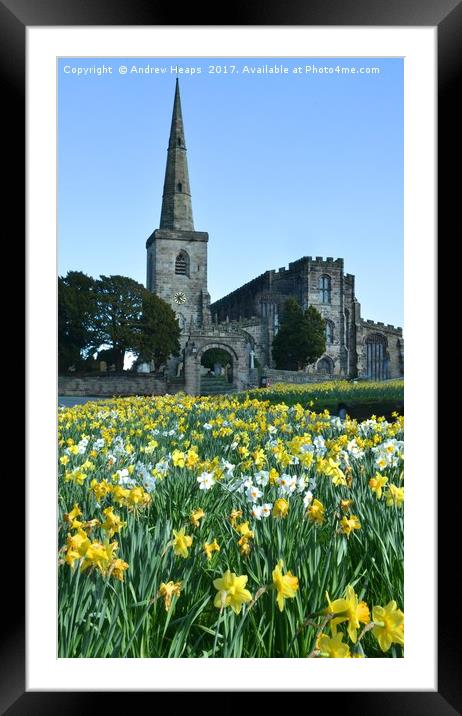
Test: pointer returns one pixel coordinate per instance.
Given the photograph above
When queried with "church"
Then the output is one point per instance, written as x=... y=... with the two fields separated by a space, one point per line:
x=244 y=322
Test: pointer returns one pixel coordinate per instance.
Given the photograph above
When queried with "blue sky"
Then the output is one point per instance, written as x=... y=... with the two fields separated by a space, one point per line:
x=281 y=166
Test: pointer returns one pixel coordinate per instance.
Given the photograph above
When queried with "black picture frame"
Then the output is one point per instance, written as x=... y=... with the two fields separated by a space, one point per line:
x=446 y=15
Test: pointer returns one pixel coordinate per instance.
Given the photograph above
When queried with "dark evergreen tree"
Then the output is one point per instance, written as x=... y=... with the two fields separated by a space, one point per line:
x=159 y=332
x=117 y=322
x=76 y=312
x=301 y=337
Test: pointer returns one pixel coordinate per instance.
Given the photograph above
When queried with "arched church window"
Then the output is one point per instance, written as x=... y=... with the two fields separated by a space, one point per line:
x=182 y=264
x=179 y=141
x=329 y=332
x=179 y=186
x=325 y=288
x=376 y=356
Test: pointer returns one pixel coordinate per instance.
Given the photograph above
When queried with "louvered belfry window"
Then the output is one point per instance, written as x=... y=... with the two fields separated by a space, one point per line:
x=182 y=264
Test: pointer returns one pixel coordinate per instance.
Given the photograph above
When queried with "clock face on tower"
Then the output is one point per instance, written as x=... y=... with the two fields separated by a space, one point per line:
x=179 y=297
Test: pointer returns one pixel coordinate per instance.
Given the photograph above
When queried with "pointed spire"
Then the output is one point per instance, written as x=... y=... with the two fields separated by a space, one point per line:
x=176 y=200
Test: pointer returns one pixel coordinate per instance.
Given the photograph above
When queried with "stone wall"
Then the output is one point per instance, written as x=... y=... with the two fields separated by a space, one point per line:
x=295 y=376
x=111 y=385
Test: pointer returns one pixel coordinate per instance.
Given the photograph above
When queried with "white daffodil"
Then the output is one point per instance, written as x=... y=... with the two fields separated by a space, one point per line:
x=206 y=480
x=253 y=493
x=262 y=477
x=307 y=498
x=256 y=512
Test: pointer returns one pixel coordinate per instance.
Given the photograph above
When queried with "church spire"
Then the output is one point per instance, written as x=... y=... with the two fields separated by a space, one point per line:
x=176 y=200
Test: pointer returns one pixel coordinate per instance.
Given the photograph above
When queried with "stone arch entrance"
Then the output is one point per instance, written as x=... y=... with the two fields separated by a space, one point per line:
x=233 y=342
x=218 y=369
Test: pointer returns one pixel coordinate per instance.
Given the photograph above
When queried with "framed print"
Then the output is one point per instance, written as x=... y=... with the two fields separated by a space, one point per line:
x=61 y=47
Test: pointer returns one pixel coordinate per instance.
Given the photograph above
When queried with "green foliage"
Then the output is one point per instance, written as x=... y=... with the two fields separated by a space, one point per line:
x=119 y=306
x=159 y=331
x=301 y=337
x=76 y=310
x=316 y=334
x=215 y=356
x=112 y=315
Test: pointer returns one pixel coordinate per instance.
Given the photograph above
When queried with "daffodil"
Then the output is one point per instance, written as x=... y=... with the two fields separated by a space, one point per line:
x=286 y=585
x=244 y=546
x=181 y=543
x=76 y=547
x=118 y=568
x=349 y=609
x=196 y=516
x=112 y=523
x=345 y=505
x=210 y=548
x=377 y=483
x=280 y=508
x=348 y=524
x=72 y=516
x=244 y=530
x=394 y=496
x=169 y=590
x=231 y=591
x=389 y=625
x=234 y=516
x=332 y=647
x=316 y=512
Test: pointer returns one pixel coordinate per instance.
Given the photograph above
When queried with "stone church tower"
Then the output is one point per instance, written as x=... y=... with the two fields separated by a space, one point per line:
x=176 y=253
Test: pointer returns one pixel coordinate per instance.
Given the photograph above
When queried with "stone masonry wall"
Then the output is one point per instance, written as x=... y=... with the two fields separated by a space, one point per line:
x=111 y=385
x=294 y=376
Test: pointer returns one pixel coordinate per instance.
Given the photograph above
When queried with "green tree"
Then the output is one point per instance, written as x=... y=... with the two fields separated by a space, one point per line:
x=76 y=312
x=117 y=321
x=301 y=337
x=215 y=356
x=159 y=332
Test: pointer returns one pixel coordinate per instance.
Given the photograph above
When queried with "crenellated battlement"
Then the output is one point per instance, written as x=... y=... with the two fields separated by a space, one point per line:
x=382 y=326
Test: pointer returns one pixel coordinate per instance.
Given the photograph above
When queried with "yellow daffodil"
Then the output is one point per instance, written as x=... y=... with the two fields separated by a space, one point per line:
x=210 y=548
x=244 y=530
x=348 y=524
x=181 y=543
x=169 y=590
x=76 y=547
x=286 y=584
x=376 y=484
x=389 y=625
x=112 y=523
x=280 y=508
x=332 y=647
x=197 y=516
x=348 y=609
x=178 y=458
x=394 y=496
x=71 y=517
x=234 y=516
x=244 y=546
x=345 y=505
x=231 y=591
x=118 y=568
x=100 y=489
x=316 y=512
